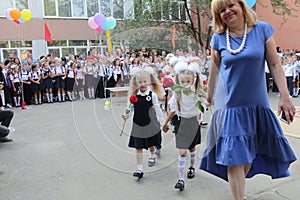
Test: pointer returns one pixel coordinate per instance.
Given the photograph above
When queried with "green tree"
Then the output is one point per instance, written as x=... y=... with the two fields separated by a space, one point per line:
x=190 y=18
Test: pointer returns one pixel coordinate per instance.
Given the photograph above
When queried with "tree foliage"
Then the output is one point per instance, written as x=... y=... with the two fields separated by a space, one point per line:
x=191 y=19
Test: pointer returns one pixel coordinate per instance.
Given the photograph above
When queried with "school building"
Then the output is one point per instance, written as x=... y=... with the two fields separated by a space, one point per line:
x=67 y=23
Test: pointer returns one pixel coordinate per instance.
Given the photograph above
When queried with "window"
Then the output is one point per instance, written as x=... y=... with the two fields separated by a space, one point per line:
x=105 y=8
x=118 y=9
x=49 y=8
x=84 y=8
x=17 y=44
x=78 y=8
x=64 y=8
x=54 y=52
x=4 y=44
x=67 y=51
x=81 y=52
x=77 y=43
x=160 y=9
x=19 y=4
x=56 y=43
x=6 y=52
x=4 y=5
x=92 y=8
x=24 y=53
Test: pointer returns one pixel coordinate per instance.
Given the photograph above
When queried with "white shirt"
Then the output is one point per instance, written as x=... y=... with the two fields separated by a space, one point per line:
x=289 y=70
x=188 y=107
x=159 y=114
x=79 y=73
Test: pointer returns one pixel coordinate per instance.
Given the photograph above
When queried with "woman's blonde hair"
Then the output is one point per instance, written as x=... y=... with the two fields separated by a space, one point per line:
x=218 y=25
x=155 y=84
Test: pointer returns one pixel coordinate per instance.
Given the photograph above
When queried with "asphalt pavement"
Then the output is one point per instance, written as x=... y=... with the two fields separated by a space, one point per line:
x=74 y=151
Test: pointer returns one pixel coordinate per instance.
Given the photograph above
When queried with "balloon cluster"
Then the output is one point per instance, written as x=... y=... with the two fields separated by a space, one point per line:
x=18 y=16
x=101 y=23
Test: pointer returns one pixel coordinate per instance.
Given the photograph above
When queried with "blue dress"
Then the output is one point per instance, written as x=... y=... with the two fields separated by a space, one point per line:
x=243 y=127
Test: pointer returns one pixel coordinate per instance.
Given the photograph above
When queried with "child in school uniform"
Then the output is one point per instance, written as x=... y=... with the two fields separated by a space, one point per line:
x=35 y=78
x=187 y=130
x=47 y=84
x=145 y=133
x=59 y=76
x=26 y=83
x=71 y=76
x=16 y=79
x=89 y=77
x=79 y=80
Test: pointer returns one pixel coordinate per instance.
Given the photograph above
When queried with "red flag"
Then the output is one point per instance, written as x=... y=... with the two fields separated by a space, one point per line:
x=174 y=37
x=47 y=34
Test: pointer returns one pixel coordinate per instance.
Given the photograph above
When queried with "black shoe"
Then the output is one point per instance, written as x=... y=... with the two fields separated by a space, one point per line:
x=191 y=173
x=203 y=123
x=5 y=139
x=180 y=185
x=138 y=174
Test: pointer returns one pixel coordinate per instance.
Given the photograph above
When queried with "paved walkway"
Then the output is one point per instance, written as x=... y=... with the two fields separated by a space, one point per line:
x=73 y=151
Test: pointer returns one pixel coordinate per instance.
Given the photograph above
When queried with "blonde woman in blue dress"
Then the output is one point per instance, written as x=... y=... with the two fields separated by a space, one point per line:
x=245 y=137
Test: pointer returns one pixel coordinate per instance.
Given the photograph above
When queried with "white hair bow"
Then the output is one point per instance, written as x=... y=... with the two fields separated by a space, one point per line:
x=181 y=66
x=135 y=70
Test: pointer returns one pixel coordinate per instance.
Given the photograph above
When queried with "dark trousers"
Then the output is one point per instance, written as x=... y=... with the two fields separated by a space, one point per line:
x=5 y=119
x=100 y=87
x=27 y=94
x=289 y=81
x=109 y=84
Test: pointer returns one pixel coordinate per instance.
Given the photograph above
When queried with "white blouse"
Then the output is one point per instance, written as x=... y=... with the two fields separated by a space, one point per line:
x=188 y=107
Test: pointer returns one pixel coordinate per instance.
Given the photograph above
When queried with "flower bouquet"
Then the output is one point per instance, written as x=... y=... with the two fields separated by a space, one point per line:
x=132 y=100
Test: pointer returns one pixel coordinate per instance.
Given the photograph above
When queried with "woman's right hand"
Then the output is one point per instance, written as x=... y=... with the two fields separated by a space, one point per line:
x=209 y=100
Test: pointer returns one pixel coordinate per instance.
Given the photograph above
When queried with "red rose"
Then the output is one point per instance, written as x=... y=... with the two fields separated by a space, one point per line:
x=168 y=82
x=133 y=99
x=161 y=74
x=205 y=82
x=168 y=73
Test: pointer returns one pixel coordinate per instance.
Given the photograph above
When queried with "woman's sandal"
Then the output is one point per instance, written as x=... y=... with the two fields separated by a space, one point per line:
x=151 y=162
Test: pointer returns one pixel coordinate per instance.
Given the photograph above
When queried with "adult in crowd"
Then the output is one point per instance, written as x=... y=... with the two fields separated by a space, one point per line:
x=245 y=137
x=5 y=119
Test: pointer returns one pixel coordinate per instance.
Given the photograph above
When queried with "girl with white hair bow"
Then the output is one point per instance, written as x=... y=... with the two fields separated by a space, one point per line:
x=183 y=103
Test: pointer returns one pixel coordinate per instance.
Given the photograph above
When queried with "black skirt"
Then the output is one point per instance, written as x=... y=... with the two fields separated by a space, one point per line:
x=35 y=87
x=70 y=84
x=143 y=137
x=47 y=83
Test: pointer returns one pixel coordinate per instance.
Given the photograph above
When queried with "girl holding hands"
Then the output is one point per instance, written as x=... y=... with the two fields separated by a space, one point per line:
x=147 y=115
x=187 y=130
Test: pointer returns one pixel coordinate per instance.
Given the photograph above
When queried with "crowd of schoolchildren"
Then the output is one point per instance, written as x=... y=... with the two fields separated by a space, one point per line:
x=50 y=79
x=291 y=67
